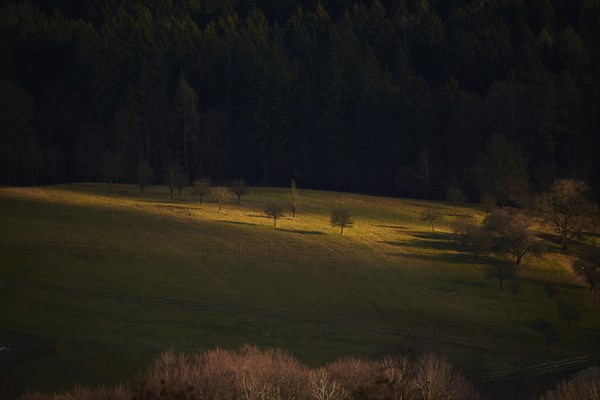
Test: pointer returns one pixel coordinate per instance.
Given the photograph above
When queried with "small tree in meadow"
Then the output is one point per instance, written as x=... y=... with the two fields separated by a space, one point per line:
x=145 y=175
x=588 y=269
x=201 y=187
x=568 y=313
x=341 y=218
x=220 y=195
x=431 y=214
x=515 y=287
x=501 y=270
x=293 y=198
x=240 y=188
x=567 y=207
x=274 y=211
x=551 y=292
x=546 y=330
x=174 y=178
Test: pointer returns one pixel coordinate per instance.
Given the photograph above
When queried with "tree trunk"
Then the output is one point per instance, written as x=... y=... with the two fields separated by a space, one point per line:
x=342 y=231
x=274 y=222
x=519 y=259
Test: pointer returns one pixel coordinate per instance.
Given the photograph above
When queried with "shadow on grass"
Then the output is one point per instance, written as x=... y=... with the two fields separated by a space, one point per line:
x=390 y=226
x=422 y=244
x=236 y=222
x=259 y=216
x=574 y=247
x=302 y=232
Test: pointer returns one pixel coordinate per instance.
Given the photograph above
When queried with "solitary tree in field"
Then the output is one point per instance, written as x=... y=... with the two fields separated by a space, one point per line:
x=341 y=217
x=546 y=330
x=275 y=212
x=431 y=214
x=113 y=167
x=201 y=187
x=220 y=195
x=293 y=198
x=145 y=174
x=568 y=313
x=240 y=188
x=461 y=228
x=515 y=287
x=567 y=208
x=511 y=236
x=174 y=178
x=551 y=291
x=588 y=269
x=500 y=270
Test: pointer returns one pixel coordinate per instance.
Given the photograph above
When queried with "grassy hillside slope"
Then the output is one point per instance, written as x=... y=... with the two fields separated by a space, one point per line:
x=113 y=278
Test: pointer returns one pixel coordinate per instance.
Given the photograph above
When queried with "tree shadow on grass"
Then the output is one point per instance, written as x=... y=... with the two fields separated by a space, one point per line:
x=575 y=247
x=416 y=245
x=302 y=232
x=440 y=257
x=236 y=222
x=390 y=226
x=259 y=216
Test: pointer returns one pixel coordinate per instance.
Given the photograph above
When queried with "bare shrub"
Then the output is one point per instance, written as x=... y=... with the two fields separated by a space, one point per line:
x=436 y=379
x=397 y=373
x=322 y=387
x=220 y=195
x=575 y=390
x=358 y=378
x=251 y=373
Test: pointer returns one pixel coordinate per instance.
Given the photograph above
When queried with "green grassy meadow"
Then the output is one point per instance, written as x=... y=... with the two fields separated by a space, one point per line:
x=113 y=278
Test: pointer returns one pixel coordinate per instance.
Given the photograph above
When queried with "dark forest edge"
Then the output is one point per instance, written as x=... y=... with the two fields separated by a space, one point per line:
x=432 y=99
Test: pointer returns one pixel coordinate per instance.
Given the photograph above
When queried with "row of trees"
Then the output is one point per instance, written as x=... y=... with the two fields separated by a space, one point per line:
x=251 y=373
x=388 y=96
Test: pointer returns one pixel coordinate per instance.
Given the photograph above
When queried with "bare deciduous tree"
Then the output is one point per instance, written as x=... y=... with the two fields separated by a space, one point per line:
x=461 y=229
x=145 y=174
x=568 y=313
x=174 y=178
x=397 y=373
x=431 y=214
x=435 y=378
x=341 y=218
x=293 y=198
x=240 y=188
x=515 y=287
x=500 y=270
x=589 y=270
x=511 y=236
x=113 y=167
x=546 y=330
x=551 y=291
x=220 y=195
x=567 y=208
x=201 y=187
x=274 y=211
x=323 y=388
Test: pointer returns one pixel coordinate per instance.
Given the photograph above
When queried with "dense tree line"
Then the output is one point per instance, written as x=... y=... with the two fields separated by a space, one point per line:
x=382 y=96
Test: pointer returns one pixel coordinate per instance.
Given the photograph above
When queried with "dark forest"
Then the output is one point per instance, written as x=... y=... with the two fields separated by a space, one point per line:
x=422 y=98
